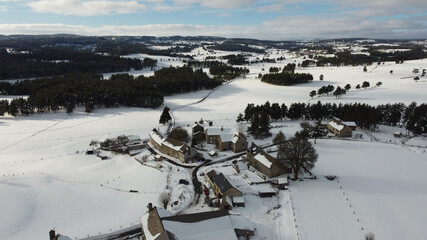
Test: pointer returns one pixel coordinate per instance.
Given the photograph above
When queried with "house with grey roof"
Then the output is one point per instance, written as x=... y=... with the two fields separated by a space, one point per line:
x=265 y=163
x=173 y=148
x=224 y=191
x=226 y=139
x=204 y=225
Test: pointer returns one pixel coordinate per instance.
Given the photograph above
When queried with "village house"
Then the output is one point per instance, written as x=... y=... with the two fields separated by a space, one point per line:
x=198 y=132
x=159 y=225
x=265 y=163
x=340 y=128
x=225 y=192
x=226 y=139
x=173 y=148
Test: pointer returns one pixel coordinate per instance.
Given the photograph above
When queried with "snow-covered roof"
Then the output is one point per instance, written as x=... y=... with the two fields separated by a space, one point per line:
x=135 y=151
x=211 y=229
x=282 y=180
x=241 y=222
x=157 y=137
x=219 y=131
x=265 y=188
x=263 y=160
x=60 y=237
x=235 y=139
x=228 y=199
x=196 y=124
x=350 y=124
x=226 y=134
x=173 y=144
x=337 y=126
x=238 y=199
x=133 y=138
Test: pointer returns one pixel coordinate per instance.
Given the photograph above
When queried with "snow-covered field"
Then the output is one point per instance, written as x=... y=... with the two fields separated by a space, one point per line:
x=46 y=180
x=381 y=188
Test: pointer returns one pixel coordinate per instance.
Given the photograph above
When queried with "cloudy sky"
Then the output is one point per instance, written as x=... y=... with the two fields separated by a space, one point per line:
x=263 y=19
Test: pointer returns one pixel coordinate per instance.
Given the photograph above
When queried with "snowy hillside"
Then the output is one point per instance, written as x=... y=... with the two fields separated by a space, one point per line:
x=47 y=181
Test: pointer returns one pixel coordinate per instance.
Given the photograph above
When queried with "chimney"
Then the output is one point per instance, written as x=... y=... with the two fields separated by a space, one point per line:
x=150 y=207
x=52 y=234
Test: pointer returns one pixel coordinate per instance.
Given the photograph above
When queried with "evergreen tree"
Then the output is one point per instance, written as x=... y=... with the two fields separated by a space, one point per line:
x=276 y=112
x=366 y=84
x=409 y=110
x=165 y=117
x=264 y=125
x=4 y=107
x=279 y=138
x=417 y=123
x=255 y=125
x=313 y=93
x=240 y=118
x=13 y=107
x=347 y=87
x=284 y=110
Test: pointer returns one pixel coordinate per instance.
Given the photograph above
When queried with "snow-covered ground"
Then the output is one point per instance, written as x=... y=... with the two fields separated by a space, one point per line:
x=46 y=180
x=380 y=188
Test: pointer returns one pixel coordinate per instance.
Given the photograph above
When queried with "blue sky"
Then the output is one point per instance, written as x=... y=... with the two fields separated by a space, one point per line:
x=265 y=19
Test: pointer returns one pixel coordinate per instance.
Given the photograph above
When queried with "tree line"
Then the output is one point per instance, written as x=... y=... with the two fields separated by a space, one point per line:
x=287 y=77
x=365 y=116
x=91 y=91
x=346 y=58
x=229 y=46
x=55 y=61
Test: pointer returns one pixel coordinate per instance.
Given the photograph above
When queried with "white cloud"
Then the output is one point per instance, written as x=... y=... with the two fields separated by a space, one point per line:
x=226 y=4
x=281 y=28
x=86 y=8
x=362 y=8
x=302 y=27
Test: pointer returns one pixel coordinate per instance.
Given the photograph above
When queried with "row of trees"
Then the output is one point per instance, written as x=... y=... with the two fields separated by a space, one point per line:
x=230 y=46
x=55 y=61
x=347 y=58
x=227 y=72
x=92 y=91
x=339 y=91
x=221 y=70
x=238 y=59
x=365 y=116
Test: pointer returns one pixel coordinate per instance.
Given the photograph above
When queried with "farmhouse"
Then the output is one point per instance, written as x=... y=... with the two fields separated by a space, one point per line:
x=226 y=139
x=205 y=225
x=340 y=128
x=173 y=148
x=265 y=163
x=223 y=190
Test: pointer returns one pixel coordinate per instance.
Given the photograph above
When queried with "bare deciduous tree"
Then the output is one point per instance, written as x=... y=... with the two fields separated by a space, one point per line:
x=164 y=199
x=297 y=154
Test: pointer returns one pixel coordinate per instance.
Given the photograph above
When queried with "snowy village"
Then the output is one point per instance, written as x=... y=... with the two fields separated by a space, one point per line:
x=340 y=156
